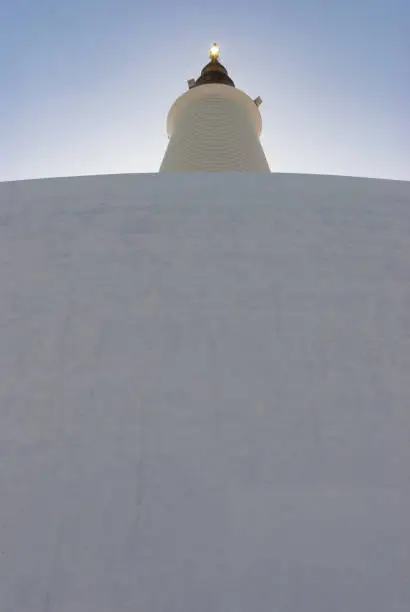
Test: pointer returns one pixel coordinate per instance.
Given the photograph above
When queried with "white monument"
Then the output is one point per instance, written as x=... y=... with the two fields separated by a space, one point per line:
x=204 y=382
x=214 y=127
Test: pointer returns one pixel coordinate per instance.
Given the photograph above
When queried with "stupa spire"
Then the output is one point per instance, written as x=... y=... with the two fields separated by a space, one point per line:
x=214 y=128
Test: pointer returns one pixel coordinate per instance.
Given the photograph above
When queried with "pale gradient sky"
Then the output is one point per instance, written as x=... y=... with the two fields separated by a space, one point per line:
x=86 y=86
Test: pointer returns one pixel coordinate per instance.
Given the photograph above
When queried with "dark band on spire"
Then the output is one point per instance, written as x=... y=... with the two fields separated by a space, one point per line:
x=214 y=71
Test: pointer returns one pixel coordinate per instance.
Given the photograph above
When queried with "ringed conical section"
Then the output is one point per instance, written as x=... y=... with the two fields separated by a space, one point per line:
x=214 y=127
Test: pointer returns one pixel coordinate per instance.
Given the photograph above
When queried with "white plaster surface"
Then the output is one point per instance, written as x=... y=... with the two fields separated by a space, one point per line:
x=214 y=128
x=204 y=394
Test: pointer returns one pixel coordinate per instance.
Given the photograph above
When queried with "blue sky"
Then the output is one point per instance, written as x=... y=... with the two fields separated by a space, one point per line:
x=86 y=86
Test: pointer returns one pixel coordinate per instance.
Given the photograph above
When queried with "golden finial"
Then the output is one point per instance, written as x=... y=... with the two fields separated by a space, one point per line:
x=214 y=52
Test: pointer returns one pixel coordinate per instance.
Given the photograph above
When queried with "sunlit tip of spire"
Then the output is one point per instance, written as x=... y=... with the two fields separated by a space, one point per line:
x=214 y=52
